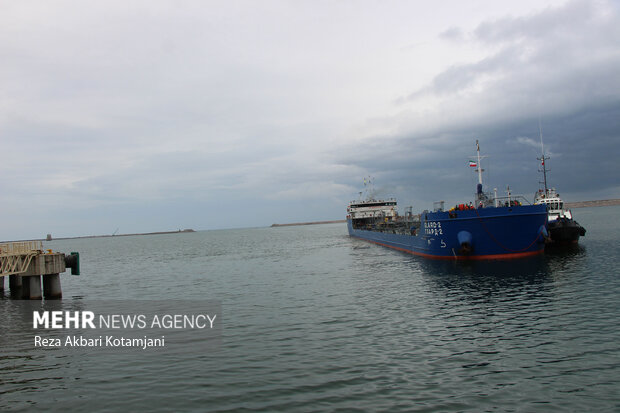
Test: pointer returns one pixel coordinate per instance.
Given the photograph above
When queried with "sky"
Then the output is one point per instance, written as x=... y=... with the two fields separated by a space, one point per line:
x=139 y=116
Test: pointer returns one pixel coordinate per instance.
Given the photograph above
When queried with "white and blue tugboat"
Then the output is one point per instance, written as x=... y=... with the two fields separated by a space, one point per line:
x=562 y=228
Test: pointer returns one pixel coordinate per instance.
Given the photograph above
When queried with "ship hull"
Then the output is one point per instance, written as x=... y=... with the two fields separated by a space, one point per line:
x=564 y=231
x=485 y=233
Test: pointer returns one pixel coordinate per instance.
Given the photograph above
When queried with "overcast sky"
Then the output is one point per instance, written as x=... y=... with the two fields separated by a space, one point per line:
x=159 y=115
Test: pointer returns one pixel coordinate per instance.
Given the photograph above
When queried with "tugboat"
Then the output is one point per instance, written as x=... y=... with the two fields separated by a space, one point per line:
x=561 y=227
x=489 y=228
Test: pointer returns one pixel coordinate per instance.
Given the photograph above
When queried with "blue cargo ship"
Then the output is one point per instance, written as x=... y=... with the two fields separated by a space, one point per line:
x=491 y=228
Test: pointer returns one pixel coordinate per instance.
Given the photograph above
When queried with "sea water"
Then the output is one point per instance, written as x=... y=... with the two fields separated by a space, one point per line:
x=312 y=320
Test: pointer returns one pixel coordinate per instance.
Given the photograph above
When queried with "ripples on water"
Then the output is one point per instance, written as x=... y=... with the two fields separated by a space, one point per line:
x=314 y=321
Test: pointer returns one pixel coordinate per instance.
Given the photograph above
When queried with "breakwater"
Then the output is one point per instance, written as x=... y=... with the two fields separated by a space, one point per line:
x=130 y=235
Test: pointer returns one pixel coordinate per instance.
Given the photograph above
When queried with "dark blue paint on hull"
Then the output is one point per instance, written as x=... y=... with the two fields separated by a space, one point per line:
x=492 y=233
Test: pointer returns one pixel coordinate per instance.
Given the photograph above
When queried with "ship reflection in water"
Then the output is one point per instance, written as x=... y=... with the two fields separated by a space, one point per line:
x=536 y=267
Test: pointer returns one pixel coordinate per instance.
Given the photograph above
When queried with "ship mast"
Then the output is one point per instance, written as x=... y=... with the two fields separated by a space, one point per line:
x=479 y=170
x=480 y=196
x=543 y=158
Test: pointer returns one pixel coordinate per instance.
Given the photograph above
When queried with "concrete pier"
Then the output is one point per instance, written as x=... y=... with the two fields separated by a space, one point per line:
x=28 y=266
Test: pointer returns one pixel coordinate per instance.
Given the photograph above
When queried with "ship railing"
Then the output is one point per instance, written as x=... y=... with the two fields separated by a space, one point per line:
x=502 y=200
x=15 y=257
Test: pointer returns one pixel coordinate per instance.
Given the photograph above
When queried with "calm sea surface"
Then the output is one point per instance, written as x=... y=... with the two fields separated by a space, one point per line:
x=315 y=321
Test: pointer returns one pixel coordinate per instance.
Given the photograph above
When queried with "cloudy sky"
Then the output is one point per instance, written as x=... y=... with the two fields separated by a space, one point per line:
x=159 y=115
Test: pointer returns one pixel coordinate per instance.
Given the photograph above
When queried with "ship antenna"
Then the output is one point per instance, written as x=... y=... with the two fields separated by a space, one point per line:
x=369 y=187
x=543 y=158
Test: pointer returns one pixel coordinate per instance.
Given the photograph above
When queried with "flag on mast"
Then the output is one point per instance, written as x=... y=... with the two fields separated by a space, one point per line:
x=473 y=164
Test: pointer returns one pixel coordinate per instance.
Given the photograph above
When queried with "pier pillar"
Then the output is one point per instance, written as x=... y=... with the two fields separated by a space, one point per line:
x=1 y=284
x=51 y=287
x=31 y=287
x=25 y=287
x=15 y=284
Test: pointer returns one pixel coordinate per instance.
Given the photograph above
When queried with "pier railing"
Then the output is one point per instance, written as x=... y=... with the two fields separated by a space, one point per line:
x=22 y=247
x=15 y=257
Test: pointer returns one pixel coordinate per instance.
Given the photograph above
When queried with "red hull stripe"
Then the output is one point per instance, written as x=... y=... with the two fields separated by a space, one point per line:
x=460 y=257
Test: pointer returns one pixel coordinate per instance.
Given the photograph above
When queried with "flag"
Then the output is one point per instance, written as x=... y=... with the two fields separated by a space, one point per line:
x=473 y=164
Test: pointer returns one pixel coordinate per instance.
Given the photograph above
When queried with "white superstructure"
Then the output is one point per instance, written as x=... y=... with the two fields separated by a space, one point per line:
x=373 y=209
x=555 y=205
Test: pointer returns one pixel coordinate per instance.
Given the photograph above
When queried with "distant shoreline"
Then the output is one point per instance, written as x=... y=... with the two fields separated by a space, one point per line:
x=599 y=203
x=126 y=235
x=180 y=231
x=579 y=204
x=339 y=221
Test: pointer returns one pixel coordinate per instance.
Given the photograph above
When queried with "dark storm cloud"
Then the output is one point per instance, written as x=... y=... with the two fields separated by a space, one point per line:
x=569 y=54
x=563 y=22
x=560 y=65
x=583 y=150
